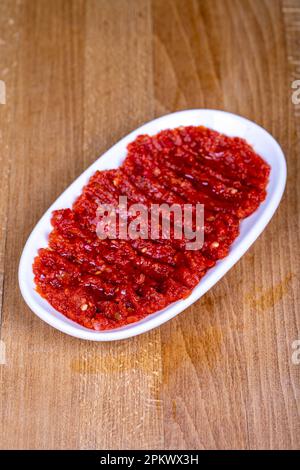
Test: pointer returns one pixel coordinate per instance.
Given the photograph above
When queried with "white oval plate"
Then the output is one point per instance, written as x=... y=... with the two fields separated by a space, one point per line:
x=250 y=228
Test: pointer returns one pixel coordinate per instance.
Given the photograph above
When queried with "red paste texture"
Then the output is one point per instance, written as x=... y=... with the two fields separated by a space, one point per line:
x=104 y=284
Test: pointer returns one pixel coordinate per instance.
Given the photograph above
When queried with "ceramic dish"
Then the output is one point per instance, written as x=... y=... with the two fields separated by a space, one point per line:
x=250 y=228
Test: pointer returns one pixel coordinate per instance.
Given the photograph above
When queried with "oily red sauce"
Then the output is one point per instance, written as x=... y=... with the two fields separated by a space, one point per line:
x=104 y=284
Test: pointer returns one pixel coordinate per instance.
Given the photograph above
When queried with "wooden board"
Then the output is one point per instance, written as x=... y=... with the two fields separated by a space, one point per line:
x=80 y=75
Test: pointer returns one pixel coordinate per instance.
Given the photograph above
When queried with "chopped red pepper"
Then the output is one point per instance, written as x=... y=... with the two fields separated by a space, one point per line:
x=104 y=284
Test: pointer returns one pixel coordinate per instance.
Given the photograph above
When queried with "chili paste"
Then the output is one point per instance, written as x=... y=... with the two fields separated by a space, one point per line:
x=108 y=283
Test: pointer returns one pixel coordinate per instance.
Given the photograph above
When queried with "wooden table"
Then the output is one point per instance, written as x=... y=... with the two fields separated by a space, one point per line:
x=80 y=75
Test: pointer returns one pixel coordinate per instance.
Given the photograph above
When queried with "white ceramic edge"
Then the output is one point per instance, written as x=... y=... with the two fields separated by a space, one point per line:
x=222 y=267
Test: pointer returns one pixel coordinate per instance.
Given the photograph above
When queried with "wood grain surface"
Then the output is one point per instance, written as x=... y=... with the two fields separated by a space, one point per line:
x=80 y=75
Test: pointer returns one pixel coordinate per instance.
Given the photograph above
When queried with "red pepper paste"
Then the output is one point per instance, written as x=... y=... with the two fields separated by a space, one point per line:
x=105 y=284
